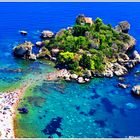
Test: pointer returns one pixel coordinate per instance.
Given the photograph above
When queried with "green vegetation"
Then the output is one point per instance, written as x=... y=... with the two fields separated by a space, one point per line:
x=87 y=46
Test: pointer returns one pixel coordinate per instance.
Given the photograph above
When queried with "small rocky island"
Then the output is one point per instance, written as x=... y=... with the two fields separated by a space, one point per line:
x=88 y=49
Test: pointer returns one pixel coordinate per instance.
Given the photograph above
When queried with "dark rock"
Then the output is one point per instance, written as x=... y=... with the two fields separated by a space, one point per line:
x=23 y=50
x=23 y=32
x=23 y=110
x=108 y=105
x=123 y=26
x=101 y=123
x=52 y=127
x=92 y=112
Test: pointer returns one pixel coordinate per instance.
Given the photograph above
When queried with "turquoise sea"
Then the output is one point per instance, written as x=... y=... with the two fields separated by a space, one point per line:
x=67 y=109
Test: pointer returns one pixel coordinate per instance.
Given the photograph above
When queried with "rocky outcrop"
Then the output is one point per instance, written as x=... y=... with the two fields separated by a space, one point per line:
x=23 y=50
x=136 y=90
x=81 y=19
x=131 y=42
x=119 y=70
x=47 y=34
x=123 y=26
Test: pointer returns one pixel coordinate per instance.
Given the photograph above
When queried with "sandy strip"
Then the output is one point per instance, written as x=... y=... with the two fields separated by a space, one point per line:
x=8 y=105
x=57 y=74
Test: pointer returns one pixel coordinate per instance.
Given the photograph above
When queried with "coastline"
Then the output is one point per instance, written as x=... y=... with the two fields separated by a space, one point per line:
x=9 y=103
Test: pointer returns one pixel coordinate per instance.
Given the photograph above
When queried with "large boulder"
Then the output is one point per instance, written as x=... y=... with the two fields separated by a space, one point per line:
x=119 y=70
x=74 y=76
x=123 y=26
x=23 y=50
x=129 y=44
x=136 y=90
x=108 y=72
x=47 y=34
x=80 y=19
x=23 y=32
x=136 y=56
x=122 y=57
x=81 y=80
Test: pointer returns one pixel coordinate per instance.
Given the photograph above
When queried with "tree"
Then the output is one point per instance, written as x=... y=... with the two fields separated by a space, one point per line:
x=98 y=23
x=79 y=30
x=87 y=62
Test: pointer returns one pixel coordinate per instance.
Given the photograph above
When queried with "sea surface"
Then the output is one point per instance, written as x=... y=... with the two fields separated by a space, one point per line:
x=67 y=109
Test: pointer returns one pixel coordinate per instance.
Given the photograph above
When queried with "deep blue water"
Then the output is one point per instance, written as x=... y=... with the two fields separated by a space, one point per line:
x=60 y=109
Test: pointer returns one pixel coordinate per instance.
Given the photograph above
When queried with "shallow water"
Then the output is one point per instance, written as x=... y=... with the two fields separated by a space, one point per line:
x=59 y=108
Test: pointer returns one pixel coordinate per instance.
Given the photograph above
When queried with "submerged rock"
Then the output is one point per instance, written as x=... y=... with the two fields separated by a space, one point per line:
x=136 y=90
x=23 y=110
x=131 y=106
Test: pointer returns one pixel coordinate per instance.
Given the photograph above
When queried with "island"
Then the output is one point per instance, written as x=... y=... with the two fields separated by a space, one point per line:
x=88 y=49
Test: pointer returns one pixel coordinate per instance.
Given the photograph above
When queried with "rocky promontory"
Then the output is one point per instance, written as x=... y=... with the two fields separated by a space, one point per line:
x=88 y=49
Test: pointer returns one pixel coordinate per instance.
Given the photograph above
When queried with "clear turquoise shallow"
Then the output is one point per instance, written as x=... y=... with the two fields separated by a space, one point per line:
x=58 y=108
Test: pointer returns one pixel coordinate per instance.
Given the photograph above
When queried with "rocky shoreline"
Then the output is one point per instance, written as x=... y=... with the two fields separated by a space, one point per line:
x=118 y=67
